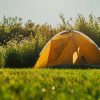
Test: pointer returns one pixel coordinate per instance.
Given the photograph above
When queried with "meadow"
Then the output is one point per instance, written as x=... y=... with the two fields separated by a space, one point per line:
x=20 y=45
x=49 y=84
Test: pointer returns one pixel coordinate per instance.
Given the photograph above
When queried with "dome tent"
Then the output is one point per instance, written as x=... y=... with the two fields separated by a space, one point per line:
x=99 y=50
x=69 y=48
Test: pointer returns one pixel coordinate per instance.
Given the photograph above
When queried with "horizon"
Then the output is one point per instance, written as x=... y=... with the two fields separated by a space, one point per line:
x=44 y=11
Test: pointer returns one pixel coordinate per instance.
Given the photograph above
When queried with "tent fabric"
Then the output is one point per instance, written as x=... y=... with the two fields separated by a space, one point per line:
x=99 y=50
x=69 y=48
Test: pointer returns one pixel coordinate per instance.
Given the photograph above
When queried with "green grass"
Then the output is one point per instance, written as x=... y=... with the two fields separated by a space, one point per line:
x=49 y=84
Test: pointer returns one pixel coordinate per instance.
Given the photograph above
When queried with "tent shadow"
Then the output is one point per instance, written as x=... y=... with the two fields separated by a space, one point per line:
x=74 y=66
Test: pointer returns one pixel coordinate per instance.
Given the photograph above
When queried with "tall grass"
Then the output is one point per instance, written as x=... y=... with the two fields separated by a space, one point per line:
x=20 y=44
x=2 y=57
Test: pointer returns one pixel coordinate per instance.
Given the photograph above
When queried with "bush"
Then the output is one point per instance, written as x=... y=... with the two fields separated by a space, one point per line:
x=23 y=54
x=12 y=54
x=90 y=27
x=2 y=57
x=22 y=43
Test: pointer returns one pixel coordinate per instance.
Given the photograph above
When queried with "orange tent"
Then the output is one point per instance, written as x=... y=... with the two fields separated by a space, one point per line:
x=99 y=50
x=69 y=48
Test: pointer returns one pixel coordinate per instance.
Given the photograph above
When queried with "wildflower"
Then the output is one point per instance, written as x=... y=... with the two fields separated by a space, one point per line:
x=72 y=90
x=53 y=88
x=43 y=89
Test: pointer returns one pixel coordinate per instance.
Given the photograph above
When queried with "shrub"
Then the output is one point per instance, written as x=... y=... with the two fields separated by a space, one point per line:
x=20 y=44
x=2 y=57
x=23 y=54
x=12 y=54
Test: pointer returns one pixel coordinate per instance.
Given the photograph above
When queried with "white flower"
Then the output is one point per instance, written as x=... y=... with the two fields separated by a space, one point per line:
x=72 y=90
x=53 y=88
x=43 y=90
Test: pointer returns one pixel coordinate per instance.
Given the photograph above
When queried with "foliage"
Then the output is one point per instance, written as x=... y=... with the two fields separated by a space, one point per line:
x=2 y=57
x=20 y=54
x=21 y=43
x=47 y=84
x=90 y=27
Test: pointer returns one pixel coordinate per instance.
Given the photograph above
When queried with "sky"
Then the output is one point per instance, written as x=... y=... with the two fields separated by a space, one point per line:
x=48 y=11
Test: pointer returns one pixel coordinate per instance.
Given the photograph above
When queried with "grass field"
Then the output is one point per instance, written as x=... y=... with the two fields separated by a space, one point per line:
x=49 y=84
